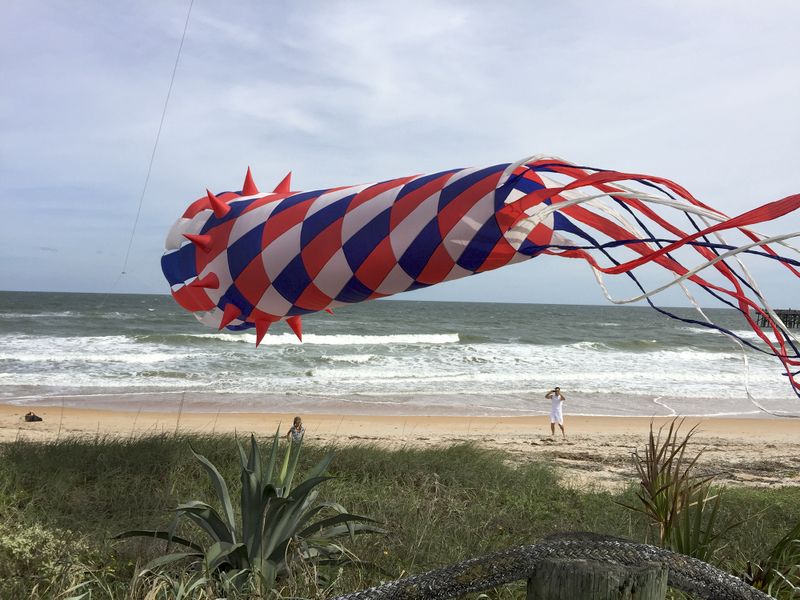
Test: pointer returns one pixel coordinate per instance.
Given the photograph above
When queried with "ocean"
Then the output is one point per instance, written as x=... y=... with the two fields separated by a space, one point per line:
x=143 y=352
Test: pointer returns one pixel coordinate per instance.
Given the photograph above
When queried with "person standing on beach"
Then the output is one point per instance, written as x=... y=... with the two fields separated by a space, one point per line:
x=298 y=430
x=556 y=412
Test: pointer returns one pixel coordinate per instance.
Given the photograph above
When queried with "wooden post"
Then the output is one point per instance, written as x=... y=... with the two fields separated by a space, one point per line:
x=563 y=579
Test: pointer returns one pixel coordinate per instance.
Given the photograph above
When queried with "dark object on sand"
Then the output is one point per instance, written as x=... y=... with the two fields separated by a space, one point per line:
x=32 y=417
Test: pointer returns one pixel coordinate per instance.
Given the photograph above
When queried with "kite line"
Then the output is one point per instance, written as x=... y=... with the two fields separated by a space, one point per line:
x=155 y=147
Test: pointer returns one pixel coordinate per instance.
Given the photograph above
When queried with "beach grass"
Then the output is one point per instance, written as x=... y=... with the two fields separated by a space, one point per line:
x=440 y=505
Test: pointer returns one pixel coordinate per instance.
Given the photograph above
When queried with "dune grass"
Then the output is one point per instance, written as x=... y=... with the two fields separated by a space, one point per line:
x=439 y=505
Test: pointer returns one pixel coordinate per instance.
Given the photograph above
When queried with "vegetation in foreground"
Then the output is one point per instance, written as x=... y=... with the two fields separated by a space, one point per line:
x=280 y=528
x=61 y=503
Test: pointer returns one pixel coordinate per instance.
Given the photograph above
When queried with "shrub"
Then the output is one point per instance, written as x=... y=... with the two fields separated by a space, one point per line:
x=32 y=553
x=778 y=573
x=277 y=523
x=681 y=504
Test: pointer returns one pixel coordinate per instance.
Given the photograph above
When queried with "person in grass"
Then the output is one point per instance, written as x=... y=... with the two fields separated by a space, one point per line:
x=556 y=411
x=297 y=431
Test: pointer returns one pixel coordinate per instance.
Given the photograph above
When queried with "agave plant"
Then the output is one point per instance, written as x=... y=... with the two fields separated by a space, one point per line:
x=276 y=523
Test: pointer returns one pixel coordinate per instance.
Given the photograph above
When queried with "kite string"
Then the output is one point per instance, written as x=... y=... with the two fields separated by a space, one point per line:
x=155 y=147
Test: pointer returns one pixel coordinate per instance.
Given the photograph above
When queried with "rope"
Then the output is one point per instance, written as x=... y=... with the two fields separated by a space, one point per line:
x=155 y=147
x=513 y=564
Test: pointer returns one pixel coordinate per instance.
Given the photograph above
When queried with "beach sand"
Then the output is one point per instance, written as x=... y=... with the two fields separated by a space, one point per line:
x=597 y=451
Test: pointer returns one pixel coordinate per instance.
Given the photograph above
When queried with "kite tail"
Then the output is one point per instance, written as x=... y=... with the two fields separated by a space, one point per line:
x=621 y=222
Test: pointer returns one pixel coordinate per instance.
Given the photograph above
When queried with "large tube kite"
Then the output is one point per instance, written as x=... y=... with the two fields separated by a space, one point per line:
x=247 y=259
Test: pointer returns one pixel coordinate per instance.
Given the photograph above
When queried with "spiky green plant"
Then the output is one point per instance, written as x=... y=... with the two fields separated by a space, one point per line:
x=277 y=523
x=680 y=503
x=696 y=532
x=778 y=573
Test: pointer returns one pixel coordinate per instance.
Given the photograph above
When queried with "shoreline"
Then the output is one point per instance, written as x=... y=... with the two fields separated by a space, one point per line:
x=108 y=420
x=596 y=453
x=390 y=405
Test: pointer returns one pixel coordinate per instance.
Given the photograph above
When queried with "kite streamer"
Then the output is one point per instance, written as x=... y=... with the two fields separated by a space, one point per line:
x=247 y=259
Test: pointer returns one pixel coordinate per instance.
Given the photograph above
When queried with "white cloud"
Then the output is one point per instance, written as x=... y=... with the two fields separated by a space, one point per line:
x=347 y=92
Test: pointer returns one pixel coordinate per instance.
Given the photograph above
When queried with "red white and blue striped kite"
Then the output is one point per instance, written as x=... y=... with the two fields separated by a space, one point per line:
x=247 y=259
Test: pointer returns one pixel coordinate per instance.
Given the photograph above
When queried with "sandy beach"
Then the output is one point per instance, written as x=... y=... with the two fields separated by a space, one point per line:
x=597 y=451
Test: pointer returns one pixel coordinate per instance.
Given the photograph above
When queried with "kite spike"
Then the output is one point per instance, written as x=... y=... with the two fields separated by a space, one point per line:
x=201 y=241
x=262 y=326
x=296 y=323
x=219 y=207
x=229 y=314
x=249 y=188
x=210 y=281
x=284 y=186
x=329 y=311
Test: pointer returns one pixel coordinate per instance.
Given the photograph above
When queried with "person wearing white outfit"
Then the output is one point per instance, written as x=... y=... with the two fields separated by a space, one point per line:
x=556 y=412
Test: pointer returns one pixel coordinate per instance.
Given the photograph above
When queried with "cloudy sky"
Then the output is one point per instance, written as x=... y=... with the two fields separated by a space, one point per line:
x=705 y=93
